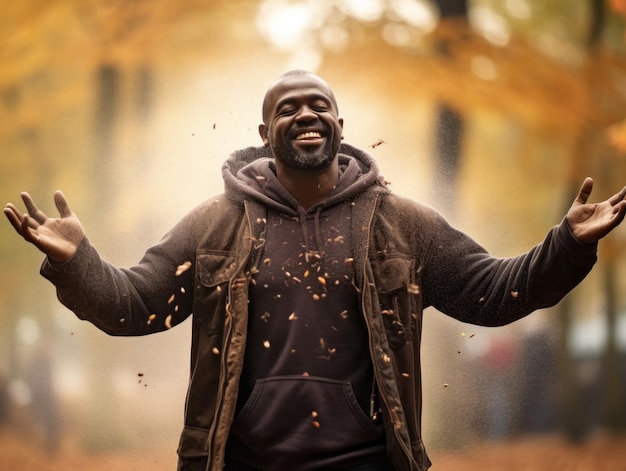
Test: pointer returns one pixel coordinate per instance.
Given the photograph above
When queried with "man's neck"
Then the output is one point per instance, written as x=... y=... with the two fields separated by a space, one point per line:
x=309 y=187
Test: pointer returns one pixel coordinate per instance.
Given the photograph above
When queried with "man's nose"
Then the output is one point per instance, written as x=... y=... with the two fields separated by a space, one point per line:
x=306 y=114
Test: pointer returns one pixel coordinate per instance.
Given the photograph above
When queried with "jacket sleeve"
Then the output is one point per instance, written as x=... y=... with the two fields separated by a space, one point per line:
x=464 y=281
x=152 y=296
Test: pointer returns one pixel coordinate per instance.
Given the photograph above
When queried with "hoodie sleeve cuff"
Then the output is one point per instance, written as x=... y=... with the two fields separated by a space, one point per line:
x=571 y=243
x=50 y=268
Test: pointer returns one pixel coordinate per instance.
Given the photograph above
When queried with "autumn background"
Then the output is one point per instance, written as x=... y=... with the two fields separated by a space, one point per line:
x=492 y=111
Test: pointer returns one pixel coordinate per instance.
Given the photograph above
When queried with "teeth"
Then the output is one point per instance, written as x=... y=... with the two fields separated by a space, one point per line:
x=309 y=135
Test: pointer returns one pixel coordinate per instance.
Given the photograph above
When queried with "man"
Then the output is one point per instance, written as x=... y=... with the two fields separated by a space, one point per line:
x=307 y=280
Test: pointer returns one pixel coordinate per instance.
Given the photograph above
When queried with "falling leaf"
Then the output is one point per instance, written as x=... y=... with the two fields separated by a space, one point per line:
x=183 y=268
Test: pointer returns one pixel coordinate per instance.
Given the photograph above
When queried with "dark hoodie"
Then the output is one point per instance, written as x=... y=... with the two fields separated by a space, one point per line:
x=307 y=393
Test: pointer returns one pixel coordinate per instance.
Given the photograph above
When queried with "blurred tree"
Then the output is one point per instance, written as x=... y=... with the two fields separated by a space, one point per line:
x=449 y=123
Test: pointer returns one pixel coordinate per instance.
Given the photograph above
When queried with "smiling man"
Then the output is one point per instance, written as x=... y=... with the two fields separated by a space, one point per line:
x=307 y=281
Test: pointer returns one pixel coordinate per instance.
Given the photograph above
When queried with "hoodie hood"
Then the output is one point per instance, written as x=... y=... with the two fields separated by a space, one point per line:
x=250 y=173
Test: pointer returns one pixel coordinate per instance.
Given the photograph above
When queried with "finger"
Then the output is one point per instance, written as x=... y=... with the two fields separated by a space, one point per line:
x=32 y=209
x=61 y=204
x=25 y=230
x=621 y=196
x=585 y=191
x=620 y=212
x=14 y=217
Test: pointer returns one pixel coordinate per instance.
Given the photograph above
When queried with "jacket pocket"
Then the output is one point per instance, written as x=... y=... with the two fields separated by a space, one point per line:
x=194 y=442
x=291 y=417
x=214 y=269
x=399 y=294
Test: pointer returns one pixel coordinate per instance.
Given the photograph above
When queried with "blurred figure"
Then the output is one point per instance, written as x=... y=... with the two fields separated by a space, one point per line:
x=44 y=401
x=4 y=400
x=538 y=361
x=500 y=362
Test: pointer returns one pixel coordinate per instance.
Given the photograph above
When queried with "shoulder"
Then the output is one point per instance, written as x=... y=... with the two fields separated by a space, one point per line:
x=214 y=207
x=215 y=212
x=393 y=205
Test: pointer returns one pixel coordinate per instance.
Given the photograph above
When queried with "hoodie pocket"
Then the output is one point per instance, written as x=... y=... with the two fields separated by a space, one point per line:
x=300 y=417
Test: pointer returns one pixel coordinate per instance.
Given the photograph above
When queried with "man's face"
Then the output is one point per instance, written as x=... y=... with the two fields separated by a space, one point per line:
x=301 y=124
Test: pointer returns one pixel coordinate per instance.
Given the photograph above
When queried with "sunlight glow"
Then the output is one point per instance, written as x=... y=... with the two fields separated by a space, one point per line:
x=365 y=10
x=284 y=23
x=28 y=331
x=490 y=25
x=484 y=68
x=396 y=34
x=520 y=9
x=416 y=13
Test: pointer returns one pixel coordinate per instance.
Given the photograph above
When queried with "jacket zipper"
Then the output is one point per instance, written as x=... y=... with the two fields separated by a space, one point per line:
x=382 y=397
x=225 y=347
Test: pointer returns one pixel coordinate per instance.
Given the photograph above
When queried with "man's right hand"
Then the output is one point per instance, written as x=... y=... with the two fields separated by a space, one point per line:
x=58 y=238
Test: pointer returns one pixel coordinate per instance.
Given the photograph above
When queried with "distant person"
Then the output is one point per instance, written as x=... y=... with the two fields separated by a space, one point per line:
x=499 y=363
x=307 y=280
x=4 y=401
x=44 y=403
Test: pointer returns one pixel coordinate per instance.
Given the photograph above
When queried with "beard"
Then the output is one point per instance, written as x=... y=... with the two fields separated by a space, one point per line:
x=304 y=161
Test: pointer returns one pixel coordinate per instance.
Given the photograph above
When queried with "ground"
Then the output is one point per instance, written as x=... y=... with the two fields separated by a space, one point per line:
x=601 y=453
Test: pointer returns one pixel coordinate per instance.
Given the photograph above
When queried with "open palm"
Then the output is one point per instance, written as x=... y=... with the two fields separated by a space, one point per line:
x=58 y=238
x=591 y=222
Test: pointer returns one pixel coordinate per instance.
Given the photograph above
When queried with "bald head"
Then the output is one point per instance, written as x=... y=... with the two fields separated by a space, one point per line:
x=291 y=78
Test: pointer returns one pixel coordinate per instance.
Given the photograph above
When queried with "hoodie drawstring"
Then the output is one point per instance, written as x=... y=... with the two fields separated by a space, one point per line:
x=311 y=256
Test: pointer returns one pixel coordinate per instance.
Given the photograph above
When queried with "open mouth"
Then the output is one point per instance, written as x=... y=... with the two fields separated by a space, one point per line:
x=309 y=136
x=309 y=140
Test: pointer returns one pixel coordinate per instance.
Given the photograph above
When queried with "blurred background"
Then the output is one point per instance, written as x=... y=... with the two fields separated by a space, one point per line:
x=492 y=111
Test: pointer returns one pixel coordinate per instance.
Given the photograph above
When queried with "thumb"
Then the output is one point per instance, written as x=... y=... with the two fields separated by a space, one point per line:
x=585 y=191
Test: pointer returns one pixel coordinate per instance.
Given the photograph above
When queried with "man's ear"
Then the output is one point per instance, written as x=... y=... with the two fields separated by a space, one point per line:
x=263 y=134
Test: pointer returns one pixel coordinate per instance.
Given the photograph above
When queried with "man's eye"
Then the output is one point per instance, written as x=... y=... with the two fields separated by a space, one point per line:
x=286 y=110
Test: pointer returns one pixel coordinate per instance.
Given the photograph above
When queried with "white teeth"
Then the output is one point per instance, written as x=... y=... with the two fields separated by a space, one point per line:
x=309 y=135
